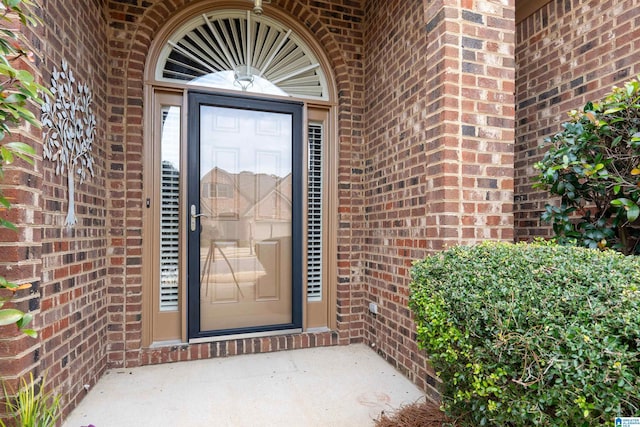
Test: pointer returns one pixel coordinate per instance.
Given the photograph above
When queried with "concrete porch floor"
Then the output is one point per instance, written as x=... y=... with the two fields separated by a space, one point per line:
x=329 y=386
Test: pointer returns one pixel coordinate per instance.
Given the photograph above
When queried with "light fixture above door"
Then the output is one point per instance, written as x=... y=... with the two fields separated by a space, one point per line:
x=257 y=6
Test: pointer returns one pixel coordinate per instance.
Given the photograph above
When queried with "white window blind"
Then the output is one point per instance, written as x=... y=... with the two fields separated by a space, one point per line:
x=216 y=48
x=169 y=210
x=314 y=231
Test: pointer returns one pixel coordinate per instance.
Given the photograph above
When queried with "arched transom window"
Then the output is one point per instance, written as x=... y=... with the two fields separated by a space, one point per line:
x=241 y=51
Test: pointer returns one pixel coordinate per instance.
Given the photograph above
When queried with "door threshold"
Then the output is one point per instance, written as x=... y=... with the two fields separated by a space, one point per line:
x=243 y=336
x=167 y=343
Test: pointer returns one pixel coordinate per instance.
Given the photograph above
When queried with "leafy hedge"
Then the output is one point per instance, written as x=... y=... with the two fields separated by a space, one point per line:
x=531 y=334
x=593 y=164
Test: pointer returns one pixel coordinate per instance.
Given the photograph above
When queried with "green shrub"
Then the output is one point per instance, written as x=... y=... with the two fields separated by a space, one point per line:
x=593 y=165
x=531 y=334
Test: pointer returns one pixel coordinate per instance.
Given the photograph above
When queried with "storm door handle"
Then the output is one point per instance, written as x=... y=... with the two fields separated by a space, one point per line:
x=194 y=216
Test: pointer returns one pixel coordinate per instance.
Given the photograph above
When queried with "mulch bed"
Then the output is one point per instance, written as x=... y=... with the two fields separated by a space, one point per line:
x=418 y=414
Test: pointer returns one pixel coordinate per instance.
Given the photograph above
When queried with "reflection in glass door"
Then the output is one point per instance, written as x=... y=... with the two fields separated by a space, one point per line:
x=244 y=215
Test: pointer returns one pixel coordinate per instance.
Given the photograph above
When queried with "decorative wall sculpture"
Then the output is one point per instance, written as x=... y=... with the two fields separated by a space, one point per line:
x=69 y=130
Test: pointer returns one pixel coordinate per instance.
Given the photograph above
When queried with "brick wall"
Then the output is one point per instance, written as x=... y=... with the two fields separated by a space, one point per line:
x=133 y=26
x=67 y=266
x=439 y=143
x=20 y=250
x=568 y=53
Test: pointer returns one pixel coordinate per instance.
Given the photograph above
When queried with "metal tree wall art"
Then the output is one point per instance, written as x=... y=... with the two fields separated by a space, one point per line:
x=70 y=128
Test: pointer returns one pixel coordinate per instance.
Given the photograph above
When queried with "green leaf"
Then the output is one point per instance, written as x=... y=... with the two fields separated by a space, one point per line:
x=613 y=110
x=25 y=320
x=21 y=146
x=8 y=224
x=4 y=202
x=29 y=332
x=15 y=98
x=7 y=155
x=20 y=150
x=633 y=212
x=25 y=76
x=9 y=316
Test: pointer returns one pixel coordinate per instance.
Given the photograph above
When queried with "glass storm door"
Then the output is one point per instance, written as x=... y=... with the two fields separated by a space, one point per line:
x=244 y=215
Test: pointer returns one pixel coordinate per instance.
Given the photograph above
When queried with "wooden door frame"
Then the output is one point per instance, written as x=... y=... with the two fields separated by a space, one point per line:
x=316 y=315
